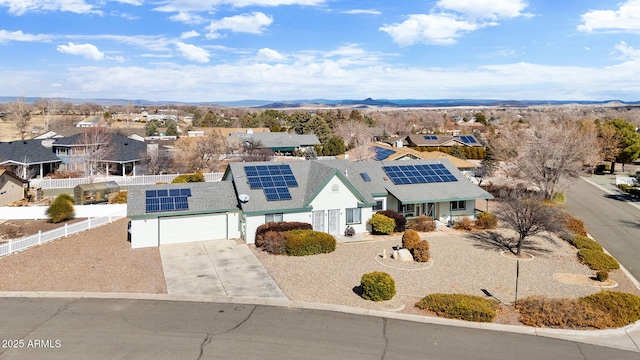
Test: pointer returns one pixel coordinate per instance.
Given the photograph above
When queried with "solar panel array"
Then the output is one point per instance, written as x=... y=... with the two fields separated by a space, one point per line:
x=467 y=139
x=167 y=200
x=274 y=180
x=430 y=137
x=419 y=174
x=382 y=153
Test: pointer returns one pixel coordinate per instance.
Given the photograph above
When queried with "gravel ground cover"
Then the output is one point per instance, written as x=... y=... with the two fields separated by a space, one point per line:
x=97 y=260
x=461 y=262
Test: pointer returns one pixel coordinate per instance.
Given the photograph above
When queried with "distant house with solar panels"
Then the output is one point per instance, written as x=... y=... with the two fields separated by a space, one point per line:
x=329 y=194
x=419 y=140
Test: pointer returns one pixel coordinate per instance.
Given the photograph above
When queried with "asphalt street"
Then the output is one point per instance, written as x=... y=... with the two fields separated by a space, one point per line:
x=81 y=328
x=614 y=223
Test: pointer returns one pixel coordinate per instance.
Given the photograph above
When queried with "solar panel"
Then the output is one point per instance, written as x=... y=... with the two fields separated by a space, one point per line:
x=274 y=180
x=467 y=139
x=430 y=137
x=381 y=153
x=365 y=177
x=167 y=200
x=419 y=174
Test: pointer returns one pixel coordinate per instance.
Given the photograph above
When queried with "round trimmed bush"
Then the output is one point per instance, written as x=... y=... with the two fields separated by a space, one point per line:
x=378 y=286
x=400 y=220
x=308 y=242
x=420 y=251
x=381 y=224
x=602 y=275
x=410 y=239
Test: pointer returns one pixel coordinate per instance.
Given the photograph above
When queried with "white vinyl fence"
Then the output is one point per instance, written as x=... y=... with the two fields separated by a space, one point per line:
x=625 y=180
x=70 y=183
x=16 y=245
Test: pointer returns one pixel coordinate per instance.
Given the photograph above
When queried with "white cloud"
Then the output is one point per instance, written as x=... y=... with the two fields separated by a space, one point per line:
x=130 y=2
x=254 y=23
x=189 y=34
x=88 y=51
x=270 y=55
x=193 y=53
x=187 y=18
x=362 y=12
x=211 y=5
x=625 y=19
x=486 y=9
x=20 y=7
x=6 y=36
x=440 y=29
x=627 y=52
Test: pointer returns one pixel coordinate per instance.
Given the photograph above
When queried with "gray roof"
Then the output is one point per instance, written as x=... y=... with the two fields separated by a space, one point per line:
x=205 y=198
x=440 y=140
x=124 y=149
x=279 y=139
x=26 y=152
x=312 y=176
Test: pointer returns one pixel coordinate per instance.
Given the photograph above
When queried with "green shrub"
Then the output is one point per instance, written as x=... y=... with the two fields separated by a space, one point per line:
x=378 y=286
x=464 y=224
x=420 y=251
x=401 y=222
x=422 y=223
x=486 y=220
x=381 y=224
x=624 y=187
x=623 y=308
x=282 y=226
x=61 y=209
x=459 y=306
x=539 y=311
x=602 y=275
x=308 y=242
x=574 y=225
x=188 y=178
x=410 y=239
x=583 y=242
x=558 y=198
x=598 y=260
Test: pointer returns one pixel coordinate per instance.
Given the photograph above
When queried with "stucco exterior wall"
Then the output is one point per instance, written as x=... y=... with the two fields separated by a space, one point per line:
x=144 y=233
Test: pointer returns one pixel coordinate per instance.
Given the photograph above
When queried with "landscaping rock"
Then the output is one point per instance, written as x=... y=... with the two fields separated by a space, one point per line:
x=404 y=255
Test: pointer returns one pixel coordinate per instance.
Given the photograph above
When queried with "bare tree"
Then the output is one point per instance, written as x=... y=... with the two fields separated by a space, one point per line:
x=95 y=147
x=21 y=115
x=547 y=152
x=528 y=214
x=200 y=153
x=156 y=160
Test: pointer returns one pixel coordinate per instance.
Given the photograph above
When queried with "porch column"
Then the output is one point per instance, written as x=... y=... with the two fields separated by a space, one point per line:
x=487 y=203
x=106 y=169
x=41 y=171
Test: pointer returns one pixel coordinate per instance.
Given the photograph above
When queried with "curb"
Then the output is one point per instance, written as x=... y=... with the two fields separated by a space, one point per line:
x=621 y=338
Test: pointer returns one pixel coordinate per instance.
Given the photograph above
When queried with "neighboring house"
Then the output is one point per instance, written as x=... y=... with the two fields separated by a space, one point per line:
x=11 y=187
x=416 y=140
x=279 y=142
x=329 y=194
x=91 y=121
x=176 y=213
x=121 y=156
x=376 y=151
x=29 y=158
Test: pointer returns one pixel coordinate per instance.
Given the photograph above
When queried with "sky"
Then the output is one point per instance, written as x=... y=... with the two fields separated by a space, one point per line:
x=229 y=50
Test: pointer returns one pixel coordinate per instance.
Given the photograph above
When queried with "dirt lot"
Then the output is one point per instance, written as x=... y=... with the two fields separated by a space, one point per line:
x=97 y=260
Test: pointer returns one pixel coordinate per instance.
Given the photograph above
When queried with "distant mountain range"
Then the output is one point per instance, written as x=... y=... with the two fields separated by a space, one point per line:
x=366 y=103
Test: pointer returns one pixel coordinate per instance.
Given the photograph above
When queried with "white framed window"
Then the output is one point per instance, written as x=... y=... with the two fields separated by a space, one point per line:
x=458 y=205
x=272 y=218
x=379 y=205
x=354 y=216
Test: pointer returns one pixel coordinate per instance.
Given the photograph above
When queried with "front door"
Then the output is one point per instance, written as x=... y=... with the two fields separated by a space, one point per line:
x=334 y=221
x=318 y=220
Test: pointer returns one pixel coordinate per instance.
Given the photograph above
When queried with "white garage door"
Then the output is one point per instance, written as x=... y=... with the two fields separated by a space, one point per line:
x=181 y=229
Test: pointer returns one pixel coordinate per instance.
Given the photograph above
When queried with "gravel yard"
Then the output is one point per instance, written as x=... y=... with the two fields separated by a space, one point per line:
x=460 y=263
x=97 y=260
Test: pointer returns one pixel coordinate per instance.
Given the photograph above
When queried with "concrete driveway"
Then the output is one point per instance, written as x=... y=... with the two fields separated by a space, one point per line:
x=216 y=268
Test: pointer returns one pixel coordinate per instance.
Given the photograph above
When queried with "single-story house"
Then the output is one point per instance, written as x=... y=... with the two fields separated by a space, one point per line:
x=11 y=187
x=282 y=142
x=329 y=194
